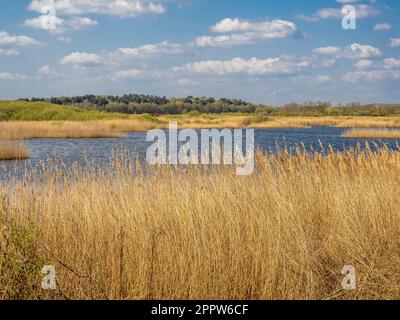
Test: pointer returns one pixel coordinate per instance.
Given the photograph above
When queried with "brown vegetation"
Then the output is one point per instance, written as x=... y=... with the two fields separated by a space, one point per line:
x=195 y=233
x=12 y=150
x=24 y=130
x=372 y=133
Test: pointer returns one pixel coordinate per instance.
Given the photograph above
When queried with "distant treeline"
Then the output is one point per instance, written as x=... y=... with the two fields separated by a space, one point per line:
x=149 y=104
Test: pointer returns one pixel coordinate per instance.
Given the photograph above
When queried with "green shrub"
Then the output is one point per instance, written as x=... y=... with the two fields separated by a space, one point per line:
x=20 y=261
x=194 y=113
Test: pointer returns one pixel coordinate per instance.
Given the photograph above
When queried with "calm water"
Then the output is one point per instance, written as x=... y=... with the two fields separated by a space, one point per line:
x=101 y=150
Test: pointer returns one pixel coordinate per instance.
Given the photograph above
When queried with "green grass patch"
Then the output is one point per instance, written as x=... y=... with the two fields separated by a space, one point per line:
x=43 y=111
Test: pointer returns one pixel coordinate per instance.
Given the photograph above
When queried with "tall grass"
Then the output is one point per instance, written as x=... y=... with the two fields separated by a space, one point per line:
x=372 y=133
x=13 y=150
x=23 y=130
x=198 y=233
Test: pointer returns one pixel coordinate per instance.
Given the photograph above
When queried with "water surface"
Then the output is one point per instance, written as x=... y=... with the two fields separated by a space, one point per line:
x=101 y=150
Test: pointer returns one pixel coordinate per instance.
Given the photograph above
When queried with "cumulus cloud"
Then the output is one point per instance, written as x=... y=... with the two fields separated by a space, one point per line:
x=353 y=51
x=362 y=10
x=372 y=75
x=131 y=74
x=364 y=64
x=147 y=51
x=125 y=8
x=239 y=32
x=388 y=68
x=46 y=71
x=391 y=63
x=61 y=25
x=358 y=51
x=253 y=66
x=82 y=59
x=327 y=51
x=136 y=74
x=21 y=41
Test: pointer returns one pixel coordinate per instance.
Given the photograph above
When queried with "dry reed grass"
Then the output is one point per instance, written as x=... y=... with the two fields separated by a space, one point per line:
x=194 y=233
x=112 y=128
x=24 y=130
x=134 y=124
x=372 y=133
x=12 y=150
x=260 y=121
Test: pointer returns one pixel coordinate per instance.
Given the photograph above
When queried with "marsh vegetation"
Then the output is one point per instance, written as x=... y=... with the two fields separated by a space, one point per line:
x=204 y=233
x=372 y=133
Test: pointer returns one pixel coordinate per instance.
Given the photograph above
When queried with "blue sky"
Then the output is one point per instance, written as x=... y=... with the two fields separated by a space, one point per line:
x=270 y=52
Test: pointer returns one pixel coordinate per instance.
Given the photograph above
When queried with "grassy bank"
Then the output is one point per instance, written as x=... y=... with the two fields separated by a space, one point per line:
x=29 y=120
x=43 y=111
x=372 y=133
x=115 y=128
x=213 y=235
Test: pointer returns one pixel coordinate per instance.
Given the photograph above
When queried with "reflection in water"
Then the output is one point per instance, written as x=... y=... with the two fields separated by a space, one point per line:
x=101 y=151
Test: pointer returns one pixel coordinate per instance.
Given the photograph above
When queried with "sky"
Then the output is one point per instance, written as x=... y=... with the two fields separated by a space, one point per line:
x=270 y=52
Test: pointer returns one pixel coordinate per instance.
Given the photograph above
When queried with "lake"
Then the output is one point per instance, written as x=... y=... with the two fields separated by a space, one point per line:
x=101 y=150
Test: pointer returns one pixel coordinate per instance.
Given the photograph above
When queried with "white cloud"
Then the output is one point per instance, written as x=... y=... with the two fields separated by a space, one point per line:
x=327 y=51
x=372 y=75
x=395 y=42
x=12 y=76
x=136 y=74
x=358 y=51
x=364 y=64
x=353 y=51
x=253 y=66
x=82 y=59
x=240 y=32
x=388 y=63
x=391 y=63
x=275 y=28
x=147 y=51
x=61 y=25
x=328 y=63
x=9 y=52
x=363 y=11
x=46 y=71
x=131 y=74
x=224 y=40
x=120 y=8
x=22 y=41
x=382 y=26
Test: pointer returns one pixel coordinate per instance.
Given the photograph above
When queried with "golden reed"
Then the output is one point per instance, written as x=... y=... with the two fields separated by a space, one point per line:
x=13 y=150
x=372 y=133
x=199 y=233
